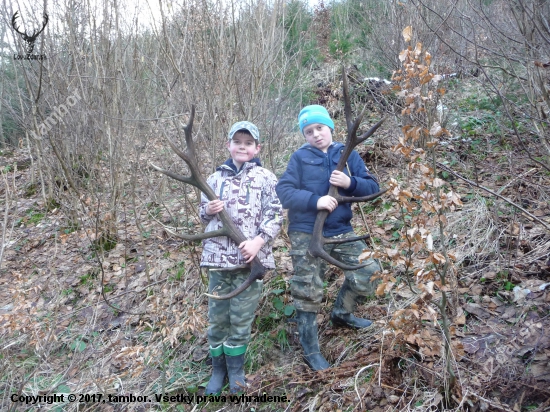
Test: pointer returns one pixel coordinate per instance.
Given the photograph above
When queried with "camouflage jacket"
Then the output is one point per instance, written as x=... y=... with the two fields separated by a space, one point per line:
x=250 y=199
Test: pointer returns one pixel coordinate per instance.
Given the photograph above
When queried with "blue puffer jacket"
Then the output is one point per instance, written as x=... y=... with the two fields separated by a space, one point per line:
x=306 y=180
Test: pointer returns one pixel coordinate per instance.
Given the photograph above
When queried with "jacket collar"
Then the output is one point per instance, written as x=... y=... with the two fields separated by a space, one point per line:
x=333 y=146
x=229 y=165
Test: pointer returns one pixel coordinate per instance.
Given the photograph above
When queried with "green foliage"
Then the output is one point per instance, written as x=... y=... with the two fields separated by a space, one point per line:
x=10 y=129
x=340 y=45
x=352 y=27
x=154 y=209
x=10 y=109
x=177 y=272
x=352 y=16
x=52 y=204
x=88 y=278
x=30 y=189
x=77 y=345
x=295 y=92
x=256 y=350
x=296 y=22
x=278 y=311
x=105 y=242
x=32 y=217
x=70 y=228
x=271 y=321
x=487 y=123
x=480 y=102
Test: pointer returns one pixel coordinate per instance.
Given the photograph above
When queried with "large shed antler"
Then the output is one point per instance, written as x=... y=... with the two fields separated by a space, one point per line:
x=317 y=240
x=28 y=38
x=229 y=229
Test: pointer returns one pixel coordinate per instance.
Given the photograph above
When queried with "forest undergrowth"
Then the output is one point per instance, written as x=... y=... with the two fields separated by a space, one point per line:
x=85 y=313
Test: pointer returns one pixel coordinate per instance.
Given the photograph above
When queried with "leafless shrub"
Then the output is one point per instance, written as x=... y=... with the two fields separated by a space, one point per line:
x=506 y=42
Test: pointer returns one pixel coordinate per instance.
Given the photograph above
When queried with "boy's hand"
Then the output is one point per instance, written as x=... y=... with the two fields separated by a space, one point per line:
x=340 y=179
x=214 y=206
x=250 y=248
x=327 y=202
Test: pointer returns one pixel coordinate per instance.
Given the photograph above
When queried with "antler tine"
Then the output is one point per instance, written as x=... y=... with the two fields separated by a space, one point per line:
x=347 y=102
x=35 y=33
x=188 y=135
x=352 y=125
x=256 y=272
x=46 y=18
x=371 y=131
x=317 y=242
x=229 y=228
x=351 y=199
x=14 y=24
x=175 y=176
x=198 y=236
x=188 y=156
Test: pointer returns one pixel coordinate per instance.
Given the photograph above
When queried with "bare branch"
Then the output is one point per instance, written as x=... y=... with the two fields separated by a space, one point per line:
x=442 y=166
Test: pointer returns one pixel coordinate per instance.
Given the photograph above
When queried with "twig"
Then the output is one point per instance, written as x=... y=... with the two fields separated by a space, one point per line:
x=99 y=249
x=355 y=381
x=513 y=180
x=488 y=401
x=442 y=166
x=393 y=389
x=381 y=351
x=6 y=214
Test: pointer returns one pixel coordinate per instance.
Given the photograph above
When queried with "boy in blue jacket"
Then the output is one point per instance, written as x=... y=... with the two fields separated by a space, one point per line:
x=303 y=190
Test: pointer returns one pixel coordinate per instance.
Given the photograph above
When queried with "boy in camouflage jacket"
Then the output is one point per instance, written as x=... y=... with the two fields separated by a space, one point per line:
x=247 y=192
x=303 y=190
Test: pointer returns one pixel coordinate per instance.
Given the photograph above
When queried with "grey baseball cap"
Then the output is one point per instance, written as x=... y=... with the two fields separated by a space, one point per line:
x=250 y=127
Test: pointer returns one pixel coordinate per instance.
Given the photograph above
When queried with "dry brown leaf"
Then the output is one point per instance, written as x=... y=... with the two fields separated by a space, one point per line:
x=477 y=310
x=380 y=290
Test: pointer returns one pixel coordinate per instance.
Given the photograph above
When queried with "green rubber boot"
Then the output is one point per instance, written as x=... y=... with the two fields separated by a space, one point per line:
x=234 y=359
x=345 y=304
x=307 y=329
x=219 y=371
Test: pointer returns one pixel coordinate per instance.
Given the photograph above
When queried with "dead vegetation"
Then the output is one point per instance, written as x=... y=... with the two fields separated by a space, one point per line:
x=96 y=295
x=60 y=335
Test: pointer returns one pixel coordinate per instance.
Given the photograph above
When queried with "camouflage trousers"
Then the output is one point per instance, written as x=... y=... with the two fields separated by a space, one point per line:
x=231 y=320
x=306 y=286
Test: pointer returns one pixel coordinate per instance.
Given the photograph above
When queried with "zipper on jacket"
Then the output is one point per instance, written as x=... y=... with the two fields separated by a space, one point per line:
x=247 y=193
x=221 y=189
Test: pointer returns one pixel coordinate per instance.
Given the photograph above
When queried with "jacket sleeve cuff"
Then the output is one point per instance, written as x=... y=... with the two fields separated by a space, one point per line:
x=352 y=185
x=203 y=216
x=266 y=238
x=312 y=203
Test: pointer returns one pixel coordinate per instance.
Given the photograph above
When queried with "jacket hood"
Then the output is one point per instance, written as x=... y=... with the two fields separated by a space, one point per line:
x=231 y=165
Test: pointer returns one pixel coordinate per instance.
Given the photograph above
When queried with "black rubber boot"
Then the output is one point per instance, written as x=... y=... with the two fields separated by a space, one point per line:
x=219 y=372
x=307 y=329
x=234 y=359
x=345 y=304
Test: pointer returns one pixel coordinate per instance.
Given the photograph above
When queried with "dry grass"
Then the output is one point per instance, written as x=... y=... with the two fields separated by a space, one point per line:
x=474 y=231
x=58 y=335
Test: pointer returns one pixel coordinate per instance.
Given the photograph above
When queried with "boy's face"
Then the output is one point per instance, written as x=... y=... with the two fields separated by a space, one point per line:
x=318 y=135
x=242 y=148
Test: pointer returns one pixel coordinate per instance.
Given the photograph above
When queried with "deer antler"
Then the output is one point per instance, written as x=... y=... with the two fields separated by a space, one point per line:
x=317 y=240
x=229 y=229
x=29 y=39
